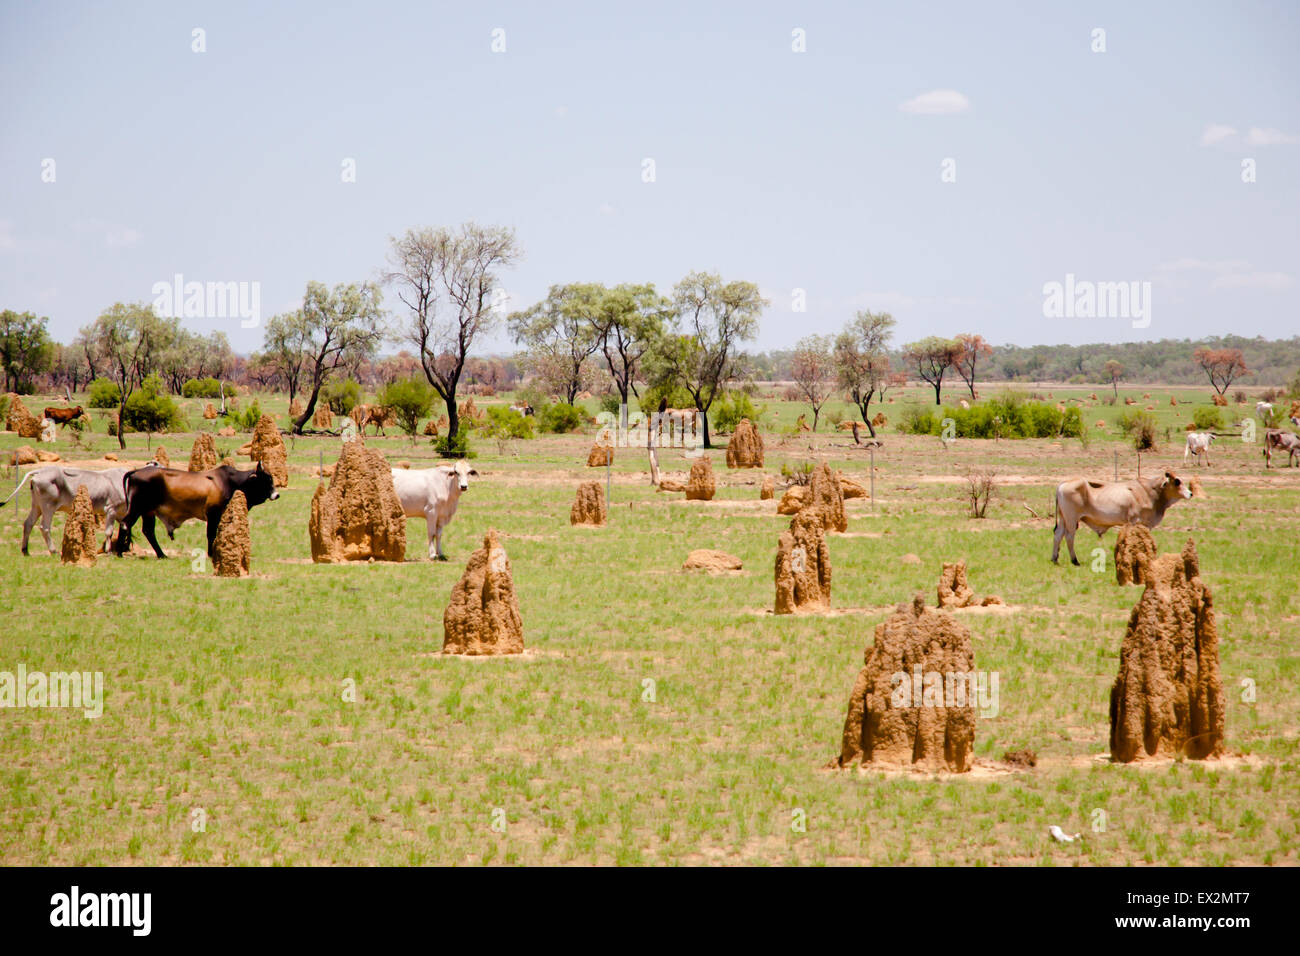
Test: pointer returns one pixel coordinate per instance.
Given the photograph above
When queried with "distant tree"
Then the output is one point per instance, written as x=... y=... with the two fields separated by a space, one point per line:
x=628 y=321
x=973 y=348
x=1114 y=372
x=559 y=336
x=410 y=400
x=332 y=329
x=457 y=270
x=932 y=357
x=26 y=349
x=284 y=350
x=712 y=318
x=813 y=368
x=862 y=360
x=1223 y=366
x=127 y=340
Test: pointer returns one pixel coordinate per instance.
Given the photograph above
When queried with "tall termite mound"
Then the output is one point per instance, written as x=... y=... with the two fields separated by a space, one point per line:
x=907 y=710
x=600 y=456
x=268 y=447
x=745 y=450
x=589 y=505
x=20 y=420
x=232 y=549
x=358 y=517
x=700 y=485
x=1135 y=549
x=204 y=453
x=803 y=566
x=160 y=455
x=322 y=417
x=483 y=616
x=79 y=534
x=768 y=490
x=826 y=496
x=1168 y=697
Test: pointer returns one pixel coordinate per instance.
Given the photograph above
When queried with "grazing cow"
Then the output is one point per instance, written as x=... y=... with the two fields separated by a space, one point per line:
x=525 y=409
x=63 y=415
x=432 y=494
x=54 y=488
x=177 y=496
x=1263 y=410
x=377 y=415
x=1198 y=443
x=1105 y=504
x=1275 y=438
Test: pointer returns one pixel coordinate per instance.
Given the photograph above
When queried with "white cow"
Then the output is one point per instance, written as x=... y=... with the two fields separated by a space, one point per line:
x=1105 y=504
x=54 y=488
x=1198 y=443
x=432 y=494
x=1263 y=410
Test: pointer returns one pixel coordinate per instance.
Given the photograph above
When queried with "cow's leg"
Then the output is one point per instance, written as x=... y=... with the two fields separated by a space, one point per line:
x=147 y=525
x=431 y=524
x=438 y=537
x=47 y=521
x=1058 y=534
x=29 y=521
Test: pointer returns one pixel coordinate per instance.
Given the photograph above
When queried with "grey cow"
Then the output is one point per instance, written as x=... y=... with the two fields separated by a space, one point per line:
x=54 y=488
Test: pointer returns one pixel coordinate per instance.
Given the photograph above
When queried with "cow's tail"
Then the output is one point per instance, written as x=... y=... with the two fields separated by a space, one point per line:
x=1056 y=507
x=122 y=542
x=18 y=487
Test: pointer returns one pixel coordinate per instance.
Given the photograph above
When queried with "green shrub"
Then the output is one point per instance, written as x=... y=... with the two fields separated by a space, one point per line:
x=341 y=397
x=410 y=400
x=504 y=423
x=731 y=408
x=4 y=404
x=201 y=388
x=610 y=403
x=103 y=393
x=675 y=395
x=1206 y=419
x=457 y=446
x=243 y=421
x=149 y=409
x=918 y=421
x=559 y=418
x=1140 y=427
x=1009 y=415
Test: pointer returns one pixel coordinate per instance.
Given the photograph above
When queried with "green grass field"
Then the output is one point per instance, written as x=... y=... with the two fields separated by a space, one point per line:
x=659 y=716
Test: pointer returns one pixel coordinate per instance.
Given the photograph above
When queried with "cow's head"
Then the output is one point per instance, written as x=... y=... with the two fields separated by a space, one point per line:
x=462 y=471
x=1173 y=488
x=258 y=486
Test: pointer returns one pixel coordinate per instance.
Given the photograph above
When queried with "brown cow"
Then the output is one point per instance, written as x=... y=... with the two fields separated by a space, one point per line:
x=64 y=415
x=1283 y=442
x=377 y=415
x=177 y=496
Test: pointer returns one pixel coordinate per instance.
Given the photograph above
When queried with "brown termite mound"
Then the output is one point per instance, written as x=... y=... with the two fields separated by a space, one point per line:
x=954 y=591
x=358 y=517
x=295 y=409
x=700 y=485
x=1168 y=697
x=160 y=456
x=1135 y=548
x=910 y=707
x=803 y=566
x=706 y=559
x=232 y=548
x=210 y=411
x=322 y=417
x=204 y=453
x=589 y=505
x=768 y=491
x=745 y=449
x=79 y=534
x=793 y=501
x=483 y=616
x=268 y=447
x=600 y=456
x=851 y=489
x=826 y=496
x=20 y=420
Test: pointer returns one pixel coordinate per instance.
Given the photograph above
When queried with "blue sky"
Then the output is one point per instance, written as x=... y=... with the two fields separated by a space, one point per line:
x=818 y=170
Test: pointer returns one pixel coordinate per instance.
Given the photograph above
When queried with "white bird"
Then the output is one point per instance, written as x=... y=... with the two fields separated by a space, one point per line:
x=1060 y=835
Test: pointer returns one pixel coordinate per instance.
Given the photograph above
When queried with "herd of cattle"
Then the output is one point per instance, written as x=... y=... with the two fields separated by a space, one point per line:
x=124 y=496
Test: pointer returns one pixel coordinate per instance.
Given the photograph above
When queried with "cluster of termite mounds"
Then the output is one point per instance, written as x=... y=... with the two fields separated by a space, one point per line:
x=933 y=729
x=1167 y=699
x=803 y=561
x=589 y=507
x=358 y=517
x=955 y=591
x=483 y=617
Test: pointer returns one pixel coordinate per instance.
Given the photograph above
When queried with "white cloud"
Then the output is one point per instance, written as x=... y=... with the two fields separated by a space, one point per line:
x=115 y=235
x=561 y=111
x=936 y=103
x=1269 y=137
x=1267 y=281
x=1216 y=133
